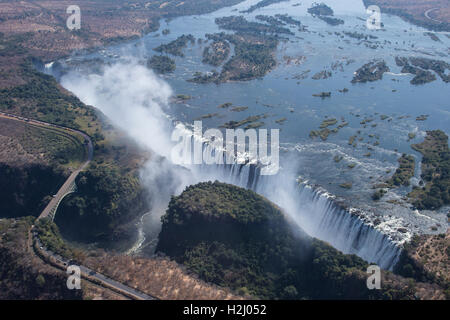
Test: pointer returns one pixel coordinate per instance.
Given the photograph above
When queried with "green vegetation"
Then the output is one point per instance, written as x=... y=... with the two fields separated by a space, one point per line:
x=331 y=21
x=320 y=9
x=262 y=4
x=176 y=47
x=216 y=53
x=183 y=97
x=281 y=121
x=108 y=197
x=161 y=64
x=25 y=191
x=422 y=117
x=435 y=172
x=322 y=95
x=346 y=185
x=328 y=122
x=378 y=194
x=239 y=109
x=404 y=172
x=41 y=98
x=323 y=134
x=236 y=124
x=371 y=71
x=50 y=237
x=225 y=105
x=422 y=67
x=235 y=238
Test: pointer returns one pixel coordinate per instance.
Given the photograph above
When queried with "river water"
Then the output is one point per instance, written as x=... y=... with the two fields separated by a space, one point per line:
x=284 y=94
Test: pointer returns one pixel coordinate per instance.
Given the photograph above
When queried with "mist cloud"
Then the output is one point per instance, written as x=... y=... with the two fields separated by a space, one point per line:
x=133 y=97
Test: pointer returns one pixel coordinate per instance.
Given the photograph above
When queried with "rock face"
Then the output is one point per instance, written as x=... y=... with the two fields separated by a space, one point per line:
x=235 y=238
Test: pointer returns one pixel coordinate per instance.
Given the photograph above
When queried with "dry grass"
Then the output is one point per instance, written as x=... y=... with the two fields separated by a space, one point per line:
x=433 y=253
x=418 y=8
x=158 y=277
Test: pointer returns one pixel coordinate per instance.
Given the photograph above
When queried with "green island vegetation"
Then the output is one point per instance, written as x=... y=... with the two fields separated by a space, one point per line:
x=324 y=12
x=371 y=71
x=236 y=124
x=359 y=36
x=322 y=95
x=422 y=67
x=324 y=74
x=207 y=77
x=243 y=26
x=331 y=21
x=238 y=109
x=422 y=117
x=161 y=64
x=261 y=4
x=378 y=194
x=435 y=172
x=324 y=132
x=236 y=238
x=225 y=105
x=254 y=125
x=176 y=46
x=183 y=97
x=216 y=53
x=404 y=172
x=328 y=122
x=288 y=20
x=270 y=20
x=281 y=121
x=320 y=9
x=346 y=185
x=253 y=51
x=207 y=116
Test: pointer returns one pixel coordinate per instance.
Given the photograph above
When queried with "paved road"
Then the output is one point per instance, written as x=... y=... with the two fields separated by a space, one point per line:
x=87 y=273
x=90 y=275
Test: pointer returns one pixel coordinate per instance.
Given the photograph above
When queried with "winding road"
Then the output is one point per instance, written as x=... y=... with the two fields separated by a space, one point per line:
x=53 y=258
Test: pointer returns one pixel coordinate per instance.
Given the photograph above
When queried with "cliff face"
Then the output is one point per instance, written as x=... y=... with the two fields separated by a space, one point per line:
x=23 y=190
x=237 y=239
x=106 y=201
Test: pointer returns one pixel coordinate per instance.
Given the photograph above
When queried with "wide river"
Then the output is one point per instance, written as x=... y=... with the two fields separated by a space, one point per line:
x=287 y=92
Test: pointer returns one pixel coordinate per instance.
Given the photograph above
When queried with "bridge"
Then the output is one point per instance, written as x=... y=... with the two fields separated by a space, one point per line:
x=72 y=188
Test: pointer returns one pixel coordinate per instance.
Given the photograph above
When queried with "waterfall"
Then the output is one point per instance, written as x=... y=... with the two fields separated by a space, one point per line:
x=315 y=211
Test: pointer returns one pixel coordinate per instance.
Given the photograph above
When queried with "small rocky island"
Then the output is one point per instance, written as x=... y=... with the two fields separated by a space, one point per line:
x=371 y=71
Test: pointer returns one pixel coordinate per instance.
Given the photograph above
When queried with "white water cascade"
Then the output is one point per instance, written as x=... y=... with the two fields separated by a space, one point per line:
x=314 y=210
